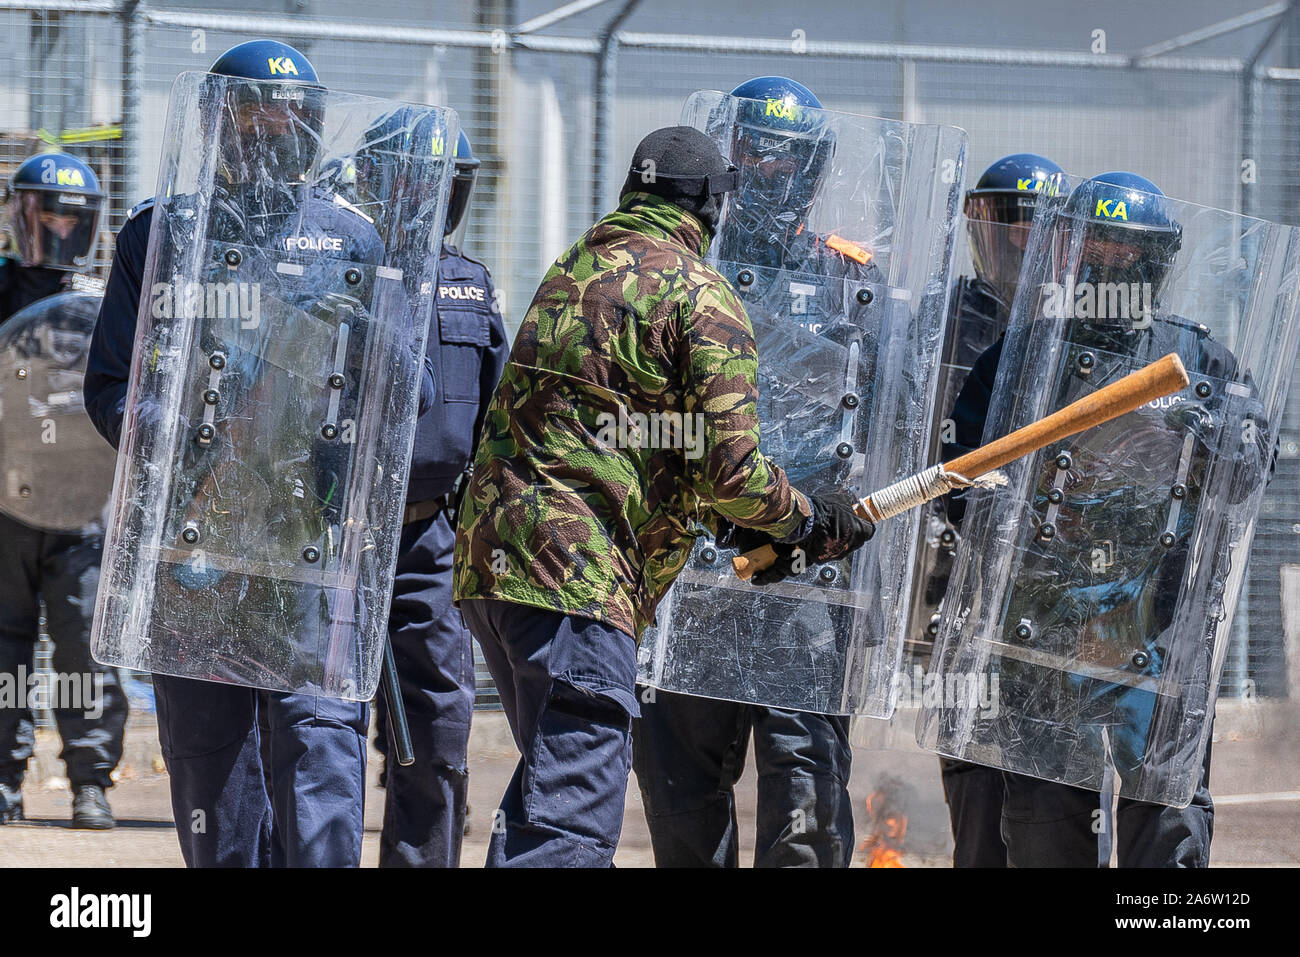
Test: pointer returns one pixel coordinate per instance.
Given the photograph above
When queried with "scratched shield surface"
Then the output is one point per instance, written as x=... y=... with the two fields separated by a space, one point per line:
x=274 y=386
x=839 y=241
x=56 y=471
x=1085 y=626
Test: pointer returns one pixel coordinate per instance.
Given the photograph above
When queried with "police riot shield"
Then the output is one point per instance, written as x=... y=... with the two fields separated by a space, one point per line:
x=274 y=389
x=995 y=233
x=1084 y=629
x=56 y=471
x=839 y=241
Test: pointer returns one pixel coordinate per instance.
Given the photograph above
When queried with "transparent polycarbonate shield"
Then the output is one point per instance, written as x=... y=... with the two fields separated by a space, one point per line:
x=56 y=471
x=977 y=317
x=274 y=389
x=978 y=312
x=840 y=242
x=1084 y=629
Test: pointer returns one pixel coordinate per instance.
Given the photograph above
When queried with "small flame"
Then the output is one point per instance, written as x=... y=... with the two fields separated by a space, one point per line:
x=884 y=846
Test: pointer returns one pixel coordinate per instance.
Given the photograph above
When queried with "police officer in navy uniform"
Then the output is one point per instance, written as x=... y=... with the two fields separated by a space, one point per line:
x=998 y=211
x=425 y=803
x=55 y=204
x=1045 y=823
x=305 y=809
x=689 y=751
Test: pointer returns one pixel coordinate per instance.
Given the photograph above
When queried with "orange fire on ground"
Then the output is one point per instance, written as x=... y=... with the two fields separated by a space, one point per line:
x=884 y=844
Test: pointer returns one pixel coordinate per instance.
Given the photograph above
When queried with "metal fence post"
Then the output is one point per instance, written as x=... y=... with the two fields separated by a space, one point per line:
x=132 y=81
x=604 y=106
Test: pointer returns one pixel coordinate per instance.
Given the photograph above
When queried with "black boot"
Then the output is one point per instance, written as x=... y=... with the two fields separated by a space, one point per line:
x=90 y=810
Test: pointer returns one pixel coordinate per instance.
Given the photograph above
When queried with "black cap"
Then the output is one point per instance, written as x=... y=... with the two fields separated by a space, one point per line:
x=684 y=166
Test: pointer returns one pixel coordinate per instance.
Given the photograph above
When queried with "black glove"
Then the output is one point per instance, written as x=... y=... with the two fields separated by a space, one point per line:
x=837 y=531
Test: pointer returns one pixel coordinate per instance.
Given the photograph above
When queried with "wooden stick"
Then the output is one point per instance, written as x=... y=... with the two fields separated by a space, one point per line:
x=1161 y=378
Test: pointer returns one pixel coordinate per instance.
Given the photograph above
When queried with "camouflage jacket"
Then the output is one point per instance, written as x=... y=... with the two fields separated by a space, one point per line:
x=625 y=416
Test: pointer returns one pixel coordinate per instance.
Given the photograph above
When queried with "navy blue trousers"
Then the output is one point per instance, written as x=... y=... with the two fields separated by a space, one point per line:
x=974 y=796
x=567 y=685
x=64 y=570
x=689 y=753
x=424 y=804
x=1046 y=824
x=213 y=748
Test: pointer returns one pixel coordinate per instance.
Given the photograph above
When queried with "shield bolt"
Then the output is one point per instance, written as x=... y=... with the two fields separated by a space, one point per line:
x=709 y=555
x=1141 y=659
x=850 y=401
x=1179 y=491
x=844 y=450
x=1063 y=461
x=1167 y=539
x=826 y=574
x=1024 y=631
x=865 y=296
x=330 y=431
x=352 y=276
x=210 y=396
x=311 y=554
x=336 y=381
x=191 y=534
x=25 y=492
x=1086 y=362
x=1047 y=531
x=21 y=373
x=745 y=278
x=948 y=538
x=233 y=258
x=1056 y=496
x=206 y=433
x=217 y=361
x=1203 y=389
x=933 y=627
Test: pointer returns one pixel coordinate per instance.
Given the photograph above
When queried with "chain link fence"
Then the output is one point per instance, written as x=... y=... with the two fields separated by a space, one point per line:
x=554 y=102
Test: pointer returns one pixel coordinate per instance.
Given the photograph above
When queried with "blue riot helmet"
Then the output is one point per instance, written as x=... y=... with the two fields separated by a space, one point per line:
x=1119 y=229
x=265 y=60
x=54 y=207
x=272 y=128
x=381 y=159
x=390 y=186
x=999 y=210
x=462 y=184
x=782 y=145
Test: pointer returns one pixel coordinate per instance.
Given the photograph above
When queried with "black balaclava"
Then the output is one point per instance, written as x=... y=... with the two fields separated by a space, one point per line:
x=684 y=166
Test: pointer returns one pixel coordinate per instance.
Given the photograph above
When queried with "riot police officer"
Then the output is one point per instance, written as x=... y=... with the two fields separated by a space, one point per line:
x=1044 y=822
x=998 y=212
x=55 y=205
x=689 y=751
x=299 y=801
x=425 y=803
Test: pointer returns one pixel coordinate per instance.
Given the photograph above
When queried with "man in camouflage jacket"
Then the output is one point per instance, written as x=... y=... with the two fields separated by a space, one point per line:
x=624 y=421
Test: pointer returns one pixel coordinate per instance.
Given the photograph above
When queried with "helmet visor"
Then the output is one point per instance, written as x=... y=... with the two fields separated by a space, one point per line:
x=998 y=226
x=462 y=191
x=55 y=229
x=272 y=132
x=1109 y=256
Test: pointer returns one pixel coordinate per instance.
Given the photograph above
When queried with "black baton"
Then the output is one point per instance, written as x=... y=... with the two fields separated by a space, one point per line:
x=399 y=732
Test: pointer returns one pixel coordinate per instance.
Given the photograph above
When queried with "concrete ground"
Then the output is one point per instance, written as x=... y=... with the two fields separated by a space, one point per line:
x=1256 y=785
